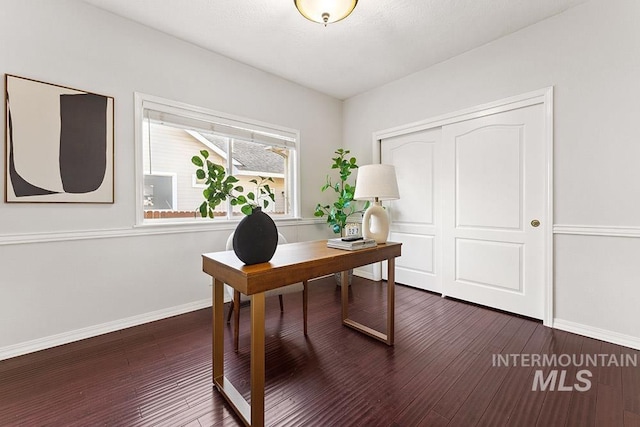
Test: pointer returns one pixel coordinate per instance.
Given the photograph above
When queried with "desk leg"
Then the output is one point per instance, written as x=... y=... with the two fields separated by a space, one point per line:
x=388 y=337
x=391 y=299
x=236 y=319
x=251 y=414
x=218 y=330
x=344 y=283
x=257 y=360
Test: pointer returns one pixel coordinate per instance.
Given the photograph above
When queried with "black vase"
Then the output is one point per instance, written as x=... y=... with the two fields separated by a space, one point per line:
x=255 y=238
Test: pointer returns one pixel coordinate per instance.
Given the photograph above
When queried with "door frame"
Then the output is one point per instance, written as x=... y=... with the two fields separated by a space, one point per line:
x=541 y=96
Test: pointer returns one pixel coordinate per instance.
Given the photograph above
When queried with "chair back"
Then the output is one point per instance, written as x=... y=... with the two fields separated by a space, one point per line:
x=296 y=287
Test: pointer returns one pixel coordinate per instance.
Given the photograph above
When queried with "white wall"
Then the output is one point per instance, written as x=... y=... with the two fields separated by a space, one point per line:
x=590 y=55
x=69 y=271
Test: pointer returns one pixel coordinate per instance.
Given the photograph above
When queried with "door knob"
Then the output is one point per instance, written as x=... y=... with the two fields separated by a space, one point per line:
x=535 y=223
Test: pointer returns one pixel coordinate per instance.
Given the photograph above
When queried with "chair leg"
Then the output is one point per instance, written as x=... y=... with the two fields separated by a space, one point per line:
x=236 y=319
x=235 y=309
x=305 y=295
x=231 y=304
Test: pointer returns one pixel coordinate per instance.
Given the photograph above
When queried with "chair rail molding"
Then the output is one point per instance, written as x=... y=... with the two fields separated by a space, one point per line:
x=139 y=230
x=597 y=230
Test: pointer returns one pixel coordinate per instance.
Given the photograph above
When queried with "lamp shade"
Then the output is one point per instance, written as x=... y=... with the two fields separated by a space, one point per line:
x=376 y=182
x=325 y=11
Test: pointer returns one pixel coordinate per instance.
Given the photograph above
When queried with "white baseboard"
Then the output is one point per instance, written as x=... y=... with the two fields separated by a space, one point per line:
x=92 y=331
x=363 y=273
x=597 y=333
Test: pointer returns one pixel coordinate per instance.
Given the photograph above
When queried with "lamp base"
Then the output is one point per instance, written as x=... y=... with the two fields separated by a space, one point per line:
x=375 y=223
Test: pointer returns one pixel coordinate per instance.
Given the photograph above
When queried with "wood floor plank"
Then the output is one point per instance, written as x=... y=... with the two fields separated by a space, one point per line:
x=433 y=420
x=425 y=400
x=556 y=405
x=581 y=411
x=631 y=419
x=610 y=374
x=455 y=396
x=631 y=382
x=439 y=372
x=509 y=341
x=609 y=407
x=527 y=407
x=454 y=362
x=499 y=409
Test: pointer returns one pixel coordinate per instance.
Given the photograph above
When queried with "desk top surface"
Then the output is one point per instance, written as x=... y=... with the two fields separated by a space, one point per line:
x=292 y=263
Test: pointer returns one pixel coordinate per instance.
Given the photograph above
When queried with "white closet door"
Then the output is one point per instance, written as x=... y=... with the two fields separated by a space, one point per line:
x=415 y=217
x=494 y=205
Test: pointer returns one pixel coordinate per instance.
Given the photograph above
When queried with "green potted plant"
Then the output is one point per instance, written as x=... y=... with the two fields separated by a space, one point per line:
x=256 y=236
x=344 y=206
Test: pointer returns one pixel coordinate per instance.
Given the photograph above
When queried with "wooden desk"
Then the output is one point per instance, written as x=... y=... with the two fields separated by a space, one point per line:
x=292 y=263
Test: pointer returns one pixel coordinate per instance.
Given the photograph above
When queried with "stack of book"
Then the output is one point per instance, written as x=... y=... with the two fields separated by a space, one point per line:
x=351 y=245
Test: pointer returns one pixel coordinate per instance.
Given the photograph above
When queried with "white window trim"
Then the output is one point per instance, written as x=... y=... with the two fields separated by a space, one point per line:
x=254 y=173
x=143 y=101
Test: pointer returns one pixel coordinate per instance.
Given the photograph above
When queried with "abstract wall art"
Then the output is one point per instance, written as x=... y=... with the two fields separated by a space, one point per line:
x=58 y=143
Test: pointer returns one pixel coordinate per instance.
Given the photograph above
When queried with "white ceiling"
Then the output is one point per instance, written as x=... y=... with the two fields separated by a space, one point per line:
x=381 y=41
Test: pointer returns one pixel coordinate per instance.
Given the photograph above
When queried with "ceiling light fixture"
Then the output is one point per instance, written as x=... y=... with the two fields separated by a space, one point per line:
x=325 y=11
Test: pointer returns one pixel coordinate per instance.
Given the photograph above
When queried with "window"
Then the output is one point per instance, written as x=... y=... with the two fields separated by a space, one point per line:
x=168 y=134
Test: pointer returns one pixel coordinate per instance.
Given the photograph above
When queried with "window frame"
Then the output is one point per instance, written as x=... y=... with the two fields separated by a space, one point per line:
x=143 y=102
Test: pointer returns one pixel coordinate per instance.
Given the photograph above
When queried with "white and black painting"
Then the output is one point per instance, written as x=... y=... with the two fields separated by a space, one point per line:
x=59 y=143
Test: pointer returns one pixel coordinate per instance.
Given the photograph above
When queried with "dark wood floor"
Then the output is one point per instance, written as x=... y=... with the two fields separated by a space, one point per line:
x=439 y=372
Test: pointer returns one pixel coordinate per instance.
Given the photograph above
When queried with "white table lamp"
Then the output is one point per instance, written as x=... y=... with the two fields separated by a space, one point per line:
x=376 y=183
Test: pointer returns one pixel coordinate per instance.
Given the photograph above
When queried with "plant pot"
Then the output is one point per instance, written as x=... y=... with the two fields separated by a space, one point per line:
x=256 y=238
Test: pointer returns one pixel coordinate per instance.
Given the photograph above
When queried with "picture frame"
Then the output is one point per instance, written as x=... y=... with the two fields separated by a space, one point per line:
x=59 y=143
